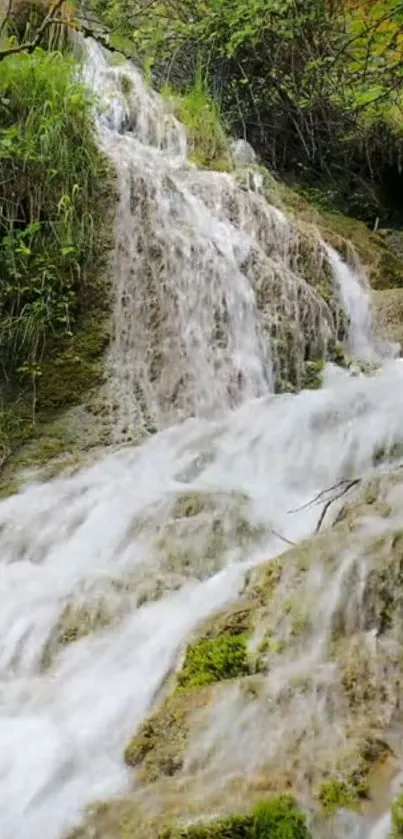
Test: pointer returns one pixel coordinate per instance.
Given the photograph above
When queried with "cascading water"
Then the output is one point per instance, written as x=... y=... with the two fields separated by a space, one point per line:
x=206 y=278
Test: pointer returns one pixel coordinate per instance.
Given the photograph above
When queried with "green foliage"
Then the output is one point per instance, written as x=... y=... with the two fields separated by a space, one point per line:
x=53 y=198
x=274 y=818
x=397 y=818
x=213 y=659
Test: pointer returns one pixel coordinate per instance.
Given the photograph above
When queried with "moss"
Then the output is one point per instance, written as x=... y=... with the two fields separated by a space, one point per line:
x=126 y=84
x=70 y=371
x=397 y=817
x=266 y=580
x=337 y=354
x=273 y=818
x=270 y=644
x=146 y=742
x=75 y=622
x=77 y=368
x=214 y=659
x=312 y=376
x=190 y=504
x=335 y=794
x=158 y=746
x=235 y=621
x=387 y=453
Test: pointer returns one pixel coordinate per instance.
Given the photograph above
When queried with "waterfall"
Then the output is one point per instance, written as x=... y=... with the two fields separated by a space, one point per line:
x=207 y=286
x=215 y=296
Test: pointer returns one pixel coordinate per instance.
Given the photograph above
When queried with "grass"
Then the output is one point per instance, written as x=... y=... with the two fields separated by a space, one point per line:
x=54 y=204
x=207 y=136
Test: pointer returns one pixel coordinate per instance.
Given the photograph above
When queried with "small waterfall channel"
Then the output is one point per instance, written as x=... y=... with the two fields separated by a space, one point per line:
x=208 y=287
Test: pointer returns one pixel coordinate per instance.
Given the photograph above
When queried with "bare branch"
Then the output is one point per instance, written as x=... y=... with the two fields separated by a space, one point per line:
x=319 y=496
x=349 y=486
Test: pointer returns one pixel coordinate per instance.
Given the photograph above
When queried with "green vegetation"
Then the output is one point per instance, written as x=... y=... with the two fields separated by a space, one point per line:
x=54 y=187
x=313 y=374
x=335 y=794
x=206 y=133
x=274 y=818
x=397 y=818
x=213 y=659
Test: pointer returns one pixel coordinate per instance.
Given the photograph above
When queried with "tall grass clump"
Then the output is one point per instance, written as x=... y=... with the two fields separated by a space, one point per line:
x=53 y=202
x=200 y=113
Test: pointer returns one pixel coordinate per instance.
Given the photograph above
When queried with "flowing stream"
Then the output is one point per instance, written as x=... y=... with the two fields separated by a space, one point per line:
x=194 y=360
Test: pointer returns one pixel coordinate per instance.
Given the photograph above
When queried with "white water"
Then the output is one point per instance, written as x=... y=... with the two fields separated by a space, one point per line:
x=103 y=534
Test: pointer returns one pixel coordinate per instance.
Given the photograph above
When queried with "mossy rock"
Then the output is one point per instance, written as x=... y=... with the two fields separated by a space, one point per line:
x=276 y=817
x=76 y=621
x=379 y=255
x=159 y=745
x=71 y=370
x=77 y=368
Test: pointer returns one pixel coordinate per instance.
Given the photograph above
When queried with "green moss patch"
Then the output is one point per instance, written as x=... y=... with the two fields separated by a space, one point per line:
x=214 y=659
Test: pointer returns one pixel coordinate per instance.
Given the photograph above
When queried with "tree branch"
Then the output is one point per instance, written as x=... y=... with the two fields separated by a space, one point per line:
x=30 y=46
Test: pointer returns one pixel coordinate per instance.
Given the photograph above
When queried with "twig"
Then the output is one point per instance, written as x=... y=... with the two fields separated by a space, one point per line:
x=319 y=496
x=283 y=538
x=349 y=486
